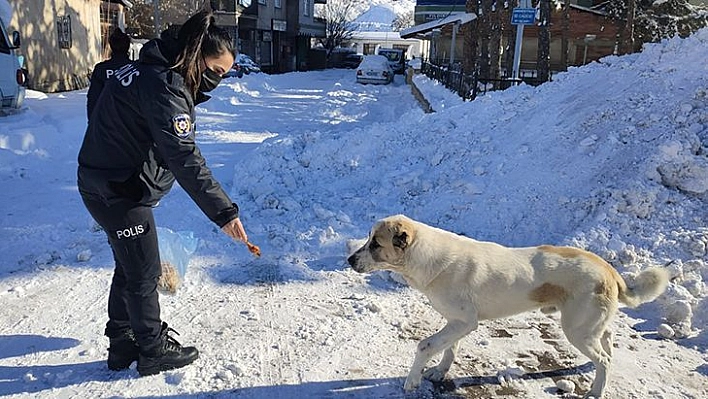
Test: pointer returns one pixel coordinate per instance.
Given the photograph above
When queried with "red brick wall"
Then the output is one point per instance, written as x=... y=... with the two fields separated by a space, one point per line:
x=581 y=23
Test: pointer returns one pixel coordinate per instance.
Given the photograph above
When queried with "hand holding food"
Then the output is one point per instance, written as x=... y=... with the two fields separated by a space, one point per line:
x=254 y=249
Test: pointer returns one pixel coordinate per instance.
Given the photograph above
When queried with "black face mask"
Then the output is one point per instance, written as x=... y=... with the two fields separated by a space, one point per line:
x=210 y=80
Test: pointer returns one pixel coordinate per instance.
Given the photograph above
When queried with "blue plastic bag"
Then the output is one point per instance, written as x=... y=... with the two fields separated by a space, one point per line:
x=176 y=249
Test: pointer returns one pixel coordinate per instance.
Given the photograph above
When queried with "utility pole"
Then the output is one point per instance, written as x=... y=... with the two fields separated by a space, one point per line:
x=522 y=15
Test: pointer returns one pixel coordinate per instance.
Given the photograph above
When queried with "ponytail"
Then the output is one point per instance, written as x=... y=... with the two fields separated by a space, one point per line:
x=199 y=38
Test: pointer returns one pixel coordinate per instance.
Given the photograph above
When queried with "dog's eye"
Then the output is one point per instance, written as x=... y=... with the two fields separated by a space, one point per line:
x=374 y=244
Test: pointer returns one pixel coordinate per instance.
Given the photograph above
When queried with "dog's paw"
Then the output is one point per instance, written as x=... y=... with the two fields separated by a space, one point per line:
x=508 y=375
x=434 y=374
x=411 y=384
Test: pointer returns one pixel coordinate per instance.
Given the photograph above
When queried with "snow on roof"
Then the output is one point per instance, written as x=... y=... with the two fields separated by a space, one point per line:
x=376 y=19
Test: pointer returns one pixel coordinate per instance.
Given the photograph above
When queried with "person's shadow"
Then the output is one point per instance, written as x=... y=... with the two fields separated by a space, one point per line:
x=35 y=378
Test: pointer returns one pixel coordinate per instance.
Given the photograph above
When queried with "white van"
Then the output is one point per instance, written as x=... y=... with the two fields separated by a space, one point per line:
x=396 y=58
x=12 y=76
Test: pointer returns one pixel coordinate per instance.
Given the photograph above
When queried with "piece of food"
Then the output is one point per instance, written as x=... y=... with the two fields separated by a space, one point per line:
x=253 y=249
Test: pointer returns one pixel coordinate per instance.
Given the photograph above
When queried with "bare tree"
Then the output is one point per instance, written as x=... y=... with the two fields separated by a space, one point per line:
x=403 y=21
x=495 y=43
x=141 y=17
x=339 y=15
x=565 y=34
x=543 y=66
x=469 y=51
x=484 y=30
x=510 y=44
x=623 y=11
x=655 y=21
x=470 y=61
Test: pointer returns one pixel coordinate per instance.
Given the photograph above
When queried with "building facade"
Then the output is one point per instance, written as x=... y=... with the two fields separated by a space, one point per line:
x=432 y=10
x=62 y=41
x=589 y=34
x=303 y=29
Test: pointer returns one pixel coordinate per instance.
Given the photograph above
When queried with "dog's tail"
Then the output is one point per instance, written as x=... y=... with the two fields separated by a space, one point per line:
x=648 y=285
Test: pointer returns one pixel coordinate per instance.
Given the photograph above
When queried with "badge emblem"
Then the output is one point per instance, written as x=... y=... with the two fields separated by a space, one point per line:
x=182 y=124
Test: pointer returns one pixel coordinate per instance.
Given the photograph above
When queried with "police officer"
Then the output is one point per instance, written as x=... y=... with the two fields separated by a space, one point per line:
x=119 y=43
x=133 y=150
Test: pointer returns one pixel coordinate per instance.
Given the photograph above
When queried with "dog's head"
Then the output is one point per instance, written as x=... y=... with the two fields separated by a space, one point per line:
x=386 y=246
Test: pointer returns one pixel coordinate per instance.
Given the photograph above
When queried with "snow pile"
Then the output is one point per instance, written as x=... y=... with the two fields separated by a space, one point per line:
x=610 y=157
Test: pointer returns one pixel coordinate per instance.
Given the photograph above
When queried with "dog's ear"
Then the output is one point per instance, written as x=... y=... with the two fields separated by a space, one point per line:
x=400 y=240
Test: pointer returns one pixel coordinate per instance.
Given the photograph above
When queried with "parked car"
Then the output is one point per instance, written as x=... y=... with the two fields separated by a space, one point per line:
x=351 y=61
x=13 y=77
x=242 y=65
x=374 y=69
x=396 y=57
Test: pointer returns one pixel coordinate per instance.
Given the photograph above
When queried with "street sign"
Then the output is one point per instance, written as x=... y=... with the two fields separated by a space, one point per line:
x=523 y=16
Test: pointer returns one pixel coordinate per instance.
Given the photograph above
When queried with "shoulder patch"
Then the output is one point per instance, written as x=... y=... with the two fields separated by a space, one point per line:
x=182 y=125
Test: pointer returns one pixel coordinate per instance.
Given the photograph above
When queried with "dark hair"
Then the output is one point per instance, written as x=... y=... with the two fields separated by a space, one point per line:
x=119 y=42
x=199 y=38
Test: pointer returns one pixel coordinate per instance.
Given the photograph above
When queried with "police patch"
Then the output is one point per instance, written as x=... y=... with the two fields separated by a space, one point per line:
x=182 y=124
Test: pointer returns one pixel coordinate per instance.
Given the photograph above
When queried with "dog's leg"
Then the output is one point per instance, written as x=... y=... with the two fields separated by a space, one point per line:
x=438 y=372
x=607 y=341
x=429 y=347
x=585 y=326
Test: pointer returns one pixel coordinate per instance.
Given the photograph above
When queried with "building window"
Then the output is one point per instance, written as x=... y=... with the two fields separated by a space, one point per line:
x=228 y=6
x=278 y=3
x=369 y=48
x=110 y=19
x=306 y=11
x=262 y=2
x=64 y=31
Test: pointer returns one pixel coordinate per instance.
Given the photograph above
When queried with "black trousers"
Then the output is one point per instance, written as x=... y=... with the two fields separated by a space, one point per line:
x=133 y=301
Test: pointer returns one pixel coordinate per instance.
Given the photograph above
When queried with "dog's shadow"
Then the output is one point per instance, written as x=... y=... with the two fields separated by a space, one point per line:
x=449 y=386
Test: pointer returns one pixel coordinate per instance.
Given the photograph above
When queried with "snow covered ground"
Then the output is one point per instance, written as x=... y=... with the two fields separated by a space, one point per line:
x=611 y=157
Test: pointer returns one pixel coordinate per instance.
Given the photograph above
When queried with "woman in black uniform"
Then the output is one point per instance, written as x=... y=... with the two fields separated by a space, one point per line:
x=135 y=147
x=119 y=43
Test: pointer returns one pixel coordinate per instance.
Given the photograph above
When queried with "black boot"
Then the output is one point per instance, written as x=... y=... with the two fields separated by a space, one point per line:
x=168 y=355
x=123 y=350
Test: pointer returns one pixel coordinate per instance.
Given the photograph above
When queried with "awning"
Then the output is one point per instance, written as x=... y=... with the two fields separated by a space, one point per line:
x=126 y=3
x=462 y=18
x=314 y=30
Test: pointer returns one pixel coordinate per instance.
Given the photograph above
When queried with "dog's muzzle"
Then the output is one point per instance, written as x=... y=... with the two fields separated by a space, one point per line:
x=354 y=263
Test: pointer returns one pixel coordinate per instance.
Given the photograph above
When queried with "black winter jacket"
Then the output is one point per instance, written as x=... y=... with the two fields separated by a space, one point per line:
x=102 y=72
x=143 y=138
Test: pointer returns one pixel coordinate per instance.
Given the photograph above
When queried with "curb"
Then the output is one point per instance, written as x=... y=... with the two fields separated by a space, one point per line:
x=425 y=104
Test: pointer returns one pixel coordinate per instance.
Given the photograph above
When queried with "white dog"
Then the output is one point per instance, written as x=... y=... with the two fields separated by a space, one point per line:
x=468 y=280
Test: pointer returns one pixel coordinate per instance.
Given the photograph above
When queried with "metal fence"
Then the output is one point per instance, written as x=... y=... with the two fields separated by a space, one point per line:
x=469 y=86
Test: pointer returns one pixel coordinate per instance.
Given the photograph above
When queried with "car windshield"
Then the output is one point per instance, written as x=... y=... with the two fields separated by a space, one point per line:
x=392 y=56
